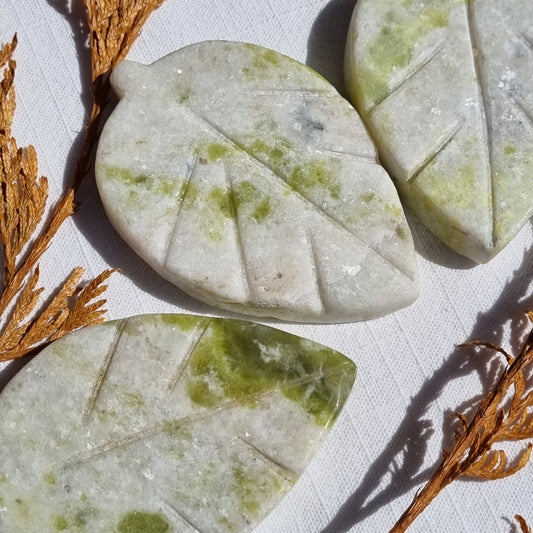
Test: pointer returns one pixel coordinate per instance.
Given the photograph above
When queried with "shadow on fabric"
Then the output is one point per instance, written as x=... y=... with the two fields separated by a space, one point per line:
x=403 y=456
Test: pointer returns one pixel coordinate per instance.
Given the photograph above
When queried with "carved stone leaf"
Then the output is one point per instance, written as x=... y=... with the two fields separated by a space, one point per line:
x=164 y=423
x=445 y=88
x=244 y=178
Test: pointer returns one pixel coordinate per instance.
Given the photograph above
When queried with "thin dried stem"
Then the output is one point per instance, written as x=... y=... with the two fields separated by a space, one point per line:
x=524 y=527
x=472 y=454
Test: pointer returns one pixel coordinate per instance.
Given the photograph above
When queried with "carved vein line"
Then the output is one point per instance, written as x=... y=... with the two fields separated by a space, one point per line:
x=179 y=516
x=525 y=41
x=316 y=271
x=316 y=94
x=437 y=148
x=238 y=234
x=412 y=70
x=337 y=400
x=332 y=220
x=102 y=374
x=528 y=115
x=197 y=336
x=358 y=157
x=138 y=436
x=284 y=471
x=215 y=130
x=485 y=113
x=179 y=205
x=171 y=425
x=312 y=93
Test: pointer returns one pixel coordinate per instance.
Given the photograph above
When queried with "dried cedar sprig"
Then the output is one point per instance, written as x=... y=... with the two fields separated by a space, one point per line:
x=23 y=197
x=114 y=25
x=472 y=453
x=70 y=308
x=23 y=202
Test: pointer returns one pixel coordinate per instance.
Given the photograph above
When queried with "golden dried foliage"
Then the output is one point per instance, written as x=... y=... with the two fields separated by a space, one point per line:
x=23 y=194
x=70 y=308
x=504 y=415
x=23 y=202
x=114 y=25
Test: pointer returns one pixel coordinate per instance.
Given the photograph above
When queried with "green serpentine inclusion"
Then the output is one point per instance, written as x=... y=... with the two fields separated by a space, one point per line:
x=394 y=49
x=219 y=203
x=251 y=491
x=220 y=199
x=305 y=177
x=275 y=155
x=313 y=175
x=61 y=523
x=216 y=151
x=73 y=522
x=140 y=522
x=183 y=322
x=247 y=195
x=240 y=361
x=262 y=62
x=162 y=185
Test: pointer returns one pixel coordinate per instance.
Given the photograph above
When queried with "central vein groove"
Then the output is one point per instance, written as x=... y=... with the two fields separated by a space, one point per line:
x=486 y=125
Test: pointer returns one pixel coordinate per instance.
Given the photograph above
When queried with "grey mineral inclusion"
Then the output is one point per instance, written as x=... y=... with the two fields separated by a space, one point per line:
x=164 y=423
x=244 y=178
x=446 y=90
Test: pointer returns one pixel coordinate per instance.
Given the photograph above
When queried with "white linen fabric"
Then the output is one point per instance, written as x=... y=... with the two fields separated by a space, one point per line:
x=411 y=374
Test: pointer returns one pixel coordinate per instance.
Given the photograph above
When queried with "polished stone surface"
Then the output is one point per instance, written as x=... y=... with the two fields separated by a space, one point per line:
x=161 y=423
x=446 y=90
x=244 y=178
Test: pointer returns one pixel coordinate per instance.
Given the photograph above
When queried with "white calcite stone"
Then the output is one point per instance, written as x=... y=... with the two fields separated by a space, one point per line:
x=164 y=423
x=244 y=178
x=446 y=90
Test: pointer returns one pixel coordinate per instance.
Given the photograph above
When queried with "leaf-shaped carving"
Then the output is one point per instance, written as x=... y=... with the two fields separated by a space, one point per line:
x=244 y=178
x=445 y=88
x=164 y=423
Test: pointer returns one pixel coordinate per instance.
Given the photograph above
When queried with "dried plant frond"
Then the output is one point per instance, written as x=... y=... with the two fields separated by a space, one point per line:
x=22 y=195
x=26 y=302
x=7 y=91
x=23 y=198
x=494 y=465
x=54 y=315
x=86 y=309
x=71 y=308
x=524 y=527
x=114 y=25
x=64 y=208
x=472 y=453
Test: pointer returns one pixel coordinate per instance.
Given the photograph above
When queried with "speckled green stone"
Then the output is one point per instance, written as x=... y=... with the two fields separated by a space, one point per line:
x=164 y=423
x=244 y=178
x=446 y=90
